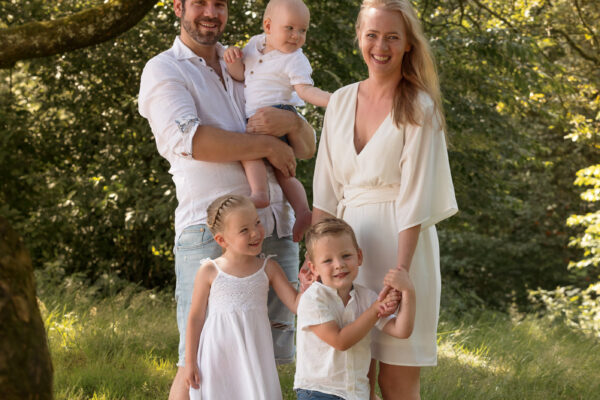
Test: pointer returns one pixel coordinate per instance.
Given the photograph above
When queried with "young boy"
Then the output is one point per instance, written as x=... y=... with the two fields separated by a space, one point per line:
x=336 y=316
x=276 y=73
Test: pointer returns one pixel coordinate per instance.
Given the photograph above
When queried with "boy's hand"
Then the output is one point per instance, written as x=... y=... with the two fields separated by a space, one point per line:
x=192 y=376
x=398 y=279
x=232 y=55
x=388 y=305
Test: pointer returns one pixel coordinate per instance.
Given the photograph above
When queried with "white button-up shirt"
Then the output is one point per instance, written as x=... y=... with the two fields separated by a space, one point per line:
x=179 y=92
x=270 y=77
x=321 y=367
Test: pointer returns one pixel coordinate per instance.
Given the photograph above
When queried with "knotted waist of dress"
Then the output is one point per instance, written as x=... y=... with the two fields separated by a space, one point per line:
x=356 y=196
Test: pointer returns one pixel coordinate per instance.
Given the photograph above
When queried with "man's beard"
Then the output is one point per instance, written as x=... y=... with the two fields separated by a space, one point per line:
x=193 y=29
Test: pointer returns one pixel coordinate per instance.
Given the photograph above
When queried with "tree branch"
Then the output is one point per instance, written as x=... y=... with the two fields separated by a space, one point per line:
x=575 y=47
x=85 y=28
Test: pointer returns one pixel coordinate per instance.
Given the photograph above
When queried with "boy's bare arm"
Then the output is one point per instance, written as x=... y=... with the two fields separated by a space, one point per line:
x=402 y=325
x=346 y=337
x=313 y=95
x=235 y=66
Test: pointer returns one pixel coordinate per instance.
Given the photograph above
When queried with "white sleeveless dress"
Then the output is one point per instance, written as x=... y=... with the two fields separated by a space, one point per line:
x=235 y=354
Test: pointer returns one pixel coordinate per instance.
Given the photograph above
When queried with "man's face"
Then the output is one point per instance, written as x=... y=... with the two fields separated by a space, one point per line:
x=202 y=20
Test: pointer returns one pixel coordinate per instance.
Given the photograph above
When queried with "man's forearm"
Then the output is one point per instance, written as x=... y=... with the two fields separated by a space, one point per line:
x=218 y=145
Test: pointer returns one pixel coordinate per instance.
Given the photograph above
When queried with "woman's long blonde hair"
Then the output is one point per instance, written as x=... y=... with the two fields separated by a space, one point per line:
x=418 y=66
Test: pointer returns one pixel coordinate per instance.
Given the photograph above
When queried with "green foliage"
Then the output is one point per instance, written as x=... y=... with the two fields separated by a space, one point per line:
x=81 y=180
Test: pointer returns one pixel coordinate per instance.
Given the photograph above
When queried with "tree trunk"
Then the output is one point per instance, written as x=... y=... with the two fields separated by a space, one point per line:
x=85 y=28
x=25 y=365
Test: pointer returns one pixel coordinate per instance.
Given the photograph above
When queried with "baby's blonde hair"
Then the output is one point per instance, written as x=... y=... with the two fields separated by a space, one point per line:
x=324 y=228
x=220 y=208
x=273 y=4
x=418 y=65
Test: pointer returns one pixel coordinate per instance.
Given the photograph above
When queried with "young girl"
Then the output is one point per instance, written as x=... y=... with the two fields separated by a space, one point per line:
x=277 y=73
x=229 y=349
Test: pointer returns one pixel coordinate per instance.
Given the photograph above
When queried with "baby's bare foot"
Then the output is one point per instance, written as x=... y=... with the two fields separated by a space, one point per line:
x=301 y=225
x=260 y=199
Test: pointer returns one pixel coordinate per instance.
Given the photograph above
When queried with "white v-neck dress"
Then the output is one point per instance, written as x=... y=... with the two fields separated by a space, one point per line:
x=400 y=179
x=235 y=353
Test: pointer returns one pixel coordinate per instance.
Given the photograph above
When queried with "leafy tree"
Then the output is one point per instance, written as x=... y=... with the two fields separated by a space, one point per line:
x=81 y=179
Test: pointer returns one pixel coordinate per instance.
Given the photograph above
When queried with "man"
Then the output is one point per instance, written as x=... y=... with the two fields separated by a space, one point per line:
x=196 y=111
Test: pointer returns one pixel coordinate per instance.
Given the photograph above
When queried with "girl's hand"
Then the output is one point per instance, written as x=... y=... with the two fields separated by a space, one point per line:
x=232 y=55
x=192 y=376
x=306 y=277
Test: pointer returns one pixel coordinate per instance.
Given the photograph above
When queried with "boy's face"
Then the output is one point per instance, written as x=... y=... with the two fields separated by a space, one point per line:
x=286 y=29
x=335 y=259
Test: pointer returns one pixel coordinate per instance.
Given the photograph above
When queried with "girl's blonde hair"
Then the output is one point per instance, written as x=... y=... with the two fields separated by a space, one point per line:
x=418 y=65
x=218 y=210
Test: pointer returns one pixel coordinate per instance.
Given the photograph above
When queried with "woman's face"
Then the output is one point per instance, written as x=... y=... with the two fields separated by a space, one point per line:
x=382 y=41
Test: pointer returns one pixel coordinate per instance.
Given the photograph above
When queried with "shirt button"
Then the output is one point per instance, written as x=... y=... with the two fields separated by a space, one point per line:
x=260 y=60
x=251 y=72
x=245 y=86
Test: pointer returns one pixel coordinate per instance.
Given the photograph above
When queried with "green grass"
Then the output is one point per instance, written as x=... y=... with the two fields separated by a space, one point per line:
x=125 y=347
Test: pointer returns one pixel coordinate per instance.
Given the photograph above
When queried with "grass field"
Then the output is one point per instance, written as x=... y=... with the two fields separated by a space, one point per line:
x=124 y=347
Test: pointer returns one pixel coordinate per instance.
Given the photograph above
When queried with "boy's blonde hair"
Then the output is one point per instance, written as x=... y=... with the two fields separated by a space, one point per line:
x=324 y=228
x=418 y=66
x=218 y=210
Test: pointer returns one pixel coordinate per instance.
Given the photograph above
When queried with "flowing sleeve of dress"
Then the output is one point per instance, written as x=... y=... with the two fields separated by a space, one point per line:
x=327 y=189
x=426 y=194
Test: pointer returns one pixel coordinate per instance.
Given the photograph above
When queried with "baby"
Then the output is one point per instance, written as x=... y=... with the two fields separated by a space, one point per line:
x=277 y=73
x=335 y=316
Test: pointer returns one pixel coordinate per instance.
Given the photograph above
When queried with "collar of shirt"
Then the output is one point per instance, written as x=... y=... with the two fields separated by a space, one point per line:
x=182 y=52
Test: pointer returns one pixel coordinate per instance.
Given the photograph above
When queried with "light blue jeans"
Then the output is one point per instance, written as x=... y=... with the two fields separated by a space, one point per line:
x=196 y=243
x=303 y=394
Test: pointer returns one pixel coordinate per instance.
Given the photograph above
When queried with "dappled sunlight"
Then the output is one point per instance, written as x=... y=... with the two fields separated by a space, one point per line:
x=478 y=358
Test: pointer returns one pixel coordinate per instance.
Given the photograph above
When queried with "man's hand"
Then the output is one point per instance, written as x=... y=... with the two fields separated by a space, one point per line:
x=272 y=121
x=281 y=156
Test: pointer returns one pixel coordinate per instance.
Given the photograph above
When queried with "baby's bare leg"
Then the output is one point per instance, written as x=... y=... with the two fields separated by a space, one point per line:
x=256 y=172
x=295 y=194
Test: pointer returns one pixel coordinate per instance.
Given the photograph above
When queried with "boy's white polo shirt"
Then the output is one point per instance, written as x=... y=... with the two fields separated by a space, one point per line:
x=321 y=367
x=270 y=77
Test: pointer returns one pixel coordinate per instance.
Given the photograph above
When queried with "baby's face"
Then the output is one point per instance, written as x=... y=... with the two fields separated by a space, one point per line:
x=286 y=29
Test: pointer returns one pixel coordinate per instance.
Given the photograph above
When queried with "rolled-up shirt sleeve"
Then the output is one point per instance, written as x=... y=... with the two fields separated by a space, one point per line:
x=167 y=104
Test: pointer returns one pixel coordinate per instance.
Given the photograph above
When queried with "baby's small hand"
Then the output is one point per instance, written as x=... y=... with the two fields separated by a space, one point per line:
x=398 y=279
x=232 y=54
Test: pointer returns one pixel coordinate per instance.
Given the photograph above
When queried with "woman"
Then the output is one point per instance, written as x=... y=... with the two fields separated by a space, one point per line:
x=383 y=167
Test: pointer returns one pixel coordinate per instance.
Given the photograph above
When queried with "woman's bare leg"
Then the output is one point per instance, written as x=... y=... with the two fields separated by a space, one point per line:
x=399 y=382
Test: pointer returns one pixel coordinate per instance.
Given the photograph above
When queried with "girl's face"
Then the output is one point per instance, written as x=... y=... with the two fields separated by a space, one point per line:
x=382 y=41
x=243 y=232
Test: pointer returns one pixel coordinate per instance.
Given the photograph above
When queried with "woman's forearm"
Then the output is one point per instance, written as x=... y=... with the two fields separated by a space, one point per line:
x=407 y=243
